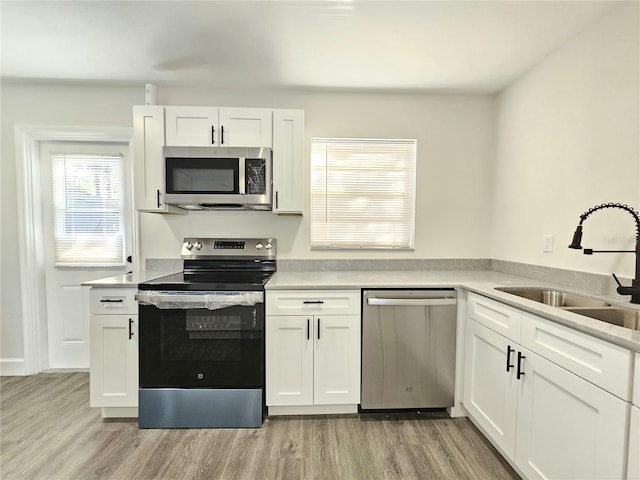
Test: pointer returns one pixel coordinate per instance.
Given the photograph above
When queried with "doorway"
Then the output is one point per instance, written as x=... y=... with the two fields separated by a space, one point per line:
x=29 y=142
x=86 y=228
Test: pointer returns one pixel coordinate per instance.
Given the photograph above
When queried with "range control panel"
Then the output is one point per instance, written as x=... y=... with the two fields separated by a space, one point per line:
x=194 y=247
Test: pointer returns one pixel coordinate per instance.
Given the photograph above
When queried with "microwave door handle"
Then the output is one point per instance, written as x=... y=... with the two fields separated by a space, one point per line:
x=242 y=188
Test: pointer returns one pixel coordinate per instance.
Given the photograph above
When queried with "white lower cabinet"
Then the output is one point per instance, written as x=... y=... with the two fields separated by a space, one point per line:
x=550 y=422
x=113 y=374
x=567 y=428
x=490 y=392
x=312 y=355
x=633 y=462
x=633 y=466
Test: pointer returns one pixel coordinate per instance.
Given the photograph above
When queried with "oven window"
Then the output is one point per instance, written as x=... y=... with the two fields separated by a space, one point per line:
x=201 y=348
x=202 y=175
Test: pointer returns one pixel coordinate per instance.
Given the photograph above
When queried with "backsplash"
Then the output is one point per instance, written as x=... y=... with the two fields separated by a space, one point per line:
x=584 y=281
x=384 y=264
x=591 y=282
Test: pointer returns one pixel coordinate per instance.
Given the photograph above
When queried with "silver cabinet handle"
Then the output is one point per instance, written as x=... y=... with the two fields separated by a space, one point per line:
x=411 y=301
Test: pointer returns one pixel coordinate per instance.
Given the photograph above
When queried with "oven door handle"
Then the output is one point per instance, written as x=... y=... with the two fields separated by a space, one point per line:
x=173 y=300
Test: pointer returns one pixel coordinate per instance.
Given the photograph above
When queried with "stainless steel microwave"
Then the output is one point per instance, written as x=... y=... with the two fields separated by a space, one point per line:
x=218 y=178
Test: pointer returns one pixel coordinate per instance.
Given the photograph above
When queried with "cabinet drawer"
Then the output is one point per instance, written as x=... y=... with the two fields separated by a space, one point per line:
x=597 y=361
x=495 y=315
x=110 y=301
x=312 y=302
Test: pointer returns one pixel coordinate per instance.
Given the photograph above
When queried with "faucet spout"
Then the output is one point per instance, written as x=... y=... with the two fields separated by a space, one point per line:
x=634 y=289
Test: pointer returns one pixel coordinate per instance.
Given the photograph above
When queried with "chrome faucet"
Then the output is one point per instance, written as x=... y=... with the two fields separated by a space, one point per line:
x=634 y=289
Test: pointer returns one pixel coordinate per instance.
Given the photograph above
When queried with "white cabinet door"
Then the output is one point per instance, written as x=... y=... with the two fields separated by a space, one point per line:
x=191 y=126
x=114 y=361
x=633 y=466
x=288 y=150
x=337 y=360
x=148 y=140
x=289 y=360
x=490 y=391
x=245 y=127
x=567 y=427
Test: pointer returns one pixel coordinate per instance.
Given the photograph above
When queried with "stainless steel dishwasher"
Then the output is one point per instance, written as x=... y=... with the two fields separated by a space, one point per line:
x=408 y=349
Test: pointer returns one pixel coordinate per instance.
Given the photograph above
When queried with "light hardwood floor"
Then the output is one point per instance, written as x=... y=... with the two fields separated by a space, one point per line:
x=48 y=431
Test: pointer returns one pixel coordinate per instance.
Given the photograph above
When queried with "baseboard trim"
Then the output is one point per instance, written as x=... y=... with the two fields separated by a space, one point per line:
x=12 y=367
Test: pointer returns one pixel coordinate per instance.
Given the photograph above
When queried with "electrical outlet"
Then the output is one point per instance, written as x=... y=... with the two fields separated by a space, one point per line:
x=547 y=243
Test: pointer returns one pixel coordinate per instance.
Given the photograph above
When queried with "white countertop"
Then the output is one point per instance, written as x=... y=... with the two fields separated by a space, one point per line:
x=125 y=280
x=483 y=282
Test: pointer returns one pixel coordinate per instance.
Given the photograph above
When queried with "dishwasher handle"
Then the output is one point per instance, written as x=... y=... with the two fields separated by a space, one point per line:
x=411 y=302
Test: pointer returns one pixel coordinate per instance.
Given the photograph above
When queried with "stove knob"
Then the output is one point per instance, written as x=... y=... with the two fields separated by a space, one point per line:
x=268 y=246
x=198 y=245
x=259 y=246
x=188 y=245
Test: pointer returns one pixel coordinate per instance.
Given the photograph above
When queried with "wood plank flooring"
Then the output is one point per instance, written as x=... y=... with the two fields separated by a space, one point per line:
x=48 y=431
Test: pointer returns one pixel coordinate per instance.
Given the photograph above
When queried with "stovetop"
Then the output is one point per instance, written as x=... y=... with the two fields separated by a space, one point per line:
x=224 y=264
x=218 y=281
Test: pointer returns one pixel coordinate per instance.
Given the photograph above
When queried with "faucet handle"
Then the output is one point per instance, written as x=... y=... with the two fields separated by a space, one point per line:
x=616 y=279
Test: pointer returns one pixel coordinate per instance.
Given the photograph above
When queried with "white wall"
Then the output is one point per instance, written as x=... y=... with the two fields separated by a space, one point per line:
x=568 y=139
x=455 y=150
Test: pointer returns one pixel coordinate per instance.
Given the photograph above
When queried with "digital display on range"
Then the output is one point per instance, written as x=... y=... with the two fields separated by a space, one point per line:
x=229 y=245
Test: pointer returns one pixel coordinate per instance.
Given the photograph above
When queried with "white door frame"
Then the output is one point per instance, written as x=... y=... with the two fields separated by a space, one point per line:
x=32 y=286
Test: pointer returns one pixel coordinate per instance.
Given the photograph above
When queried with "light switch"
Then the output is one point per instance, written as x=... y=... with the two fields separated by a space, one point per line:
x=547 y=243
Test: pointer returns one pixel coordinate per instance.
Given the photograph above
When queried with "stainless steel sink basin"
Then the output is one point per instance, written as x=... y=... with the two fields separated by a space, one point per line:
x=554 y=298
x=622 y=317
x=580 y=304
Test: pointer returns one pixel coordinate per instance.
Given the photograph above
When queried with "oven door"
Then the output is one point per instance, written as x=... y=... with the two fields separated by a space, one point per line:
x=201 y=340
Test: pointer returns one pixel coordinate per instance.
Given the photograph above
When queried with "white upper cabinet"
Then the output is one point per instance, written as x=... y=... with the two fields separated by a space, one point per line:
x=148 y=171
x=191 y=126
x=288 y=150
x=245 y=127
x=213 y=126
x=155 y=126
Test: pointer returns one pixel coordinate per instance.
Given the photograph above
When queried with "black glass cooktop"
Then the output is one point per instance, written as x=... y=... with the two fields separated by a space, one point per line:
x=209 y=281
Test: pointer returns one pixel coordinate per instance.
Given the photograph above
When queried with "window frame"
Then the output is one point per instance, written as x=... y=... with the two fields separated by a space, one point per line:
x=410 y=216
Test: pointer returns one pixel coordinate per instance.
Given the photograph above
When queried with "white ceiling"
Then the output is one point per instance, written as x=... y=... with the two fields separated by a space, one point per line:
x=470 y=46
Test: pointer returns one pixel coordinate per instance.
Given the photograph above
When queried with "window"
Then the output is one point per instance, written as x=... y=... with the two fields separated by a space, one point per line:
x=362 y=193
x=88 y=210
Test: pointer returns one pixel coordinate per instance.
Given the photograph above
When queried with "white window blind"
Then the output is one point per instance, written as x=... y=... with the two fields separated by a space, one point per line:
x=362 y=193
x=88 y=210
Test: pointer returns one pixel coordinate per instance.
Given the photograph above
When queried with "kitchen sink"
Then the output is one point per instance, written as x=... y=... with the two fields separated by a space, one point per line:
x=554 y=298
x=580 y=304
x=623 y=317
